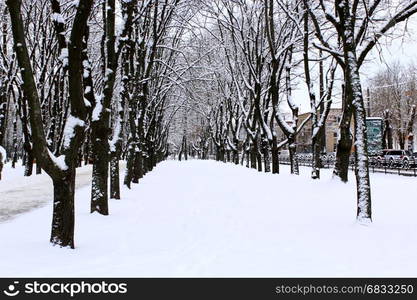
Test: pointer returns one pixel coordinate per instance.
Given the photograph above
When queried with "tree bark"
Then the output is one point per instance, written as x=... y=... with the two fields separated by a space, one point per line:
x=344 y=144
x=114 y=179
x=292 y=147
x=100 y=153
x=62 y=232
x=275 y=157
x=354 y=92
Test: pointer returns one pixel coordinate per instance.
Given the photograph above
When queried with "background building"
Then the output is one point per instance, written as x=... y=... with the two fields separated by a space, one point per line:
x=332 y=129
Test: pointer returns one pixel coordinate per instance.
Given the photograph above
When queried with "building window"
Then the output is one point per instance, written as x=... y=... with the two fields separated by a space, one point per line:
x=335 y=134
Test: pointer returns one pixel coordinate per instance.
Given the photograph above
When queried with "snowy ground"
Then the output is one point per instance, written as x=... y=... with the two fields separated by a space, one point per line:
x=204 y=218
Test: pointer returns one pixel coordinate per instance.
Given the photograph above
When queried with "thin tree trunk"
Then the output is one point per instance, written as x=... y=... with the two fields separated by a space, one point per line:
x=315 y=172
x=138 y=170
x=114 y=178
x=266 y=154
x=129 y=166
x=38 y=169
x=29 y=162
x=253 y=150
x=275 y=158
x=292 y=147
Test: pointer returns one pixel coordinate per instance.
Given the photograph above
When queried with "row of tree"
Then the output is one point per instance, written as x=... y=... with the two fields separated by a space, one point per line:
x=393 y=98
x=88 y=81
x=99 y=81
x=266 y=49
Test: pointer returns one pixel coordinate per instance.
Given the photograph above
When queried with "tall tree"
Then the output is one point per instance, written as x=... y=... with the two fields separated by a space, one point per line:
x=61 y=169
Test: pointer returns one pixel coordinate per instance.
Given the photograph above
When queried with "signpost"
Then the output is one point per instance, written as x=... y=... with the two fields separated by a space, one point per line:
x=374 y=134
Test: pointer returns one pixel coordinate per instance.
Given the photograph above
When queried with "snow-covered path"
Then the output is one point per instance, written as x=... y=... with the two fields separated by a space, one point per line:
x=204 y=218
x=21 y=194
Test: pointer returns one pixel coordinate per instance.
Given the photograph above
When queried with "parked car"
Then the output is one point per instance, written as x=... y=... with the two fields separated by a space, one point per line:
x=379 y=158
x=397 y=158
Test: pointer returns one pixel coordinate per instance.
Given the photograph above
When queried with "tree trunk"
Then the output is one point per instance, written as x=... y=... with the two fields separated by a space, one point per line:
x=275 y=158
x=38 y=169
x=253 y=155
x=1 y=163
x=129 y=166
x=364 y=213
x=267 y=155
x=258 y=155
x=62 y=233
x=387 y=140
x=29 y=163
x=344 y=144
x=114 y=177
x=137 y=167
x=236 y=157
x=99 y=185
x=248 y=156
x=354 y=92
x=100 y=129
x=292 y=147
x=315 y=164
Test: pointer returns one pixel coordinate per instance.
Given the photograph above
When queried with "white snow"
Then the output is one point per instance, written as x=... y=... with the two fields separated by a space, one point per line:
x=64 y=56
x=59 y=160
x=115 y=138
x=3 y=154
x=57 y=18
x=98 y=108
x=204 y=218
x=69 y=129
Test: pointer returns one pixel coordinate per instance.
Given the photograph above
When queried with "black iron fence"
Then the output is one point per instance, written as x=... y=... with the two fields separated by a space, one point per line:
x=376 y=164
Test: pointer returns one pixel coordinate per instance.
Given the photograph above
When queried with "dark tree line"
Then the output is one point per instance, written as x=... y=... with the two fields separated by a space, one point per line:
x=88 y=81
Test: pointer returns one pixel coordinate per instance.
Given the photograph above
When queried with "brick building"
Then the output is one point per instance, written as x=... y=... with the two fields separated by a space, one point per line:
x=332 y=129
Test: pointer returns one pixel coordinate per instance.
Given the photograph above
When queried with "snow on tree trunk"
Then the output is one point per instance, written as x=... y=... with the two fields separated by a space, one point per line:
x=114 y=178
x=292 y=147
x=100 y=156
x=2 y=159
x=101 y=120
x=129 y=165
x=354 y=91
x=315 y=166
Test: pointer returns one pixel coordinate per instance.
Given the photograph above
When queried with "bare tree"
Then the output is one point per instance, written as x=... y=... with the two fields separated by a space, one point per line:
x=61 y=169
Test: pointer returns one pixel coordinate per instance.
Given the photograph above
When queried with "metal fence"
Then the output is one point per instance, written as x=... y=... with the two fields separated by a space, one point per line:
x=375 y=165
x=328 y=161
